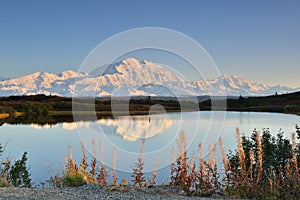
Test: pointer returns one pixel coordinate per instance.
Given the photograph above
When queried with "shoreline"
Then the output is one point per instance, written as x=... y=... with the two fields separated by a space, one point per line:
x=90 y=191
x=63 y=106
x=142 y=112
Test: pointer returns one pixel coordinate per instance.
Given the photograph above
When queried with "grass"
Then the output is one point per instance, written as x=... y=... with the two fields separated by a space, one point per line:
x=4 y=115
x=73 y=179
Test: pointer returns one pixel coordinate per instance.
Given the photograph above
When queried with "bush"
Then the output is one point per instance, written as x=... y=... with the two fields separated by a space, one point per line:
x=19 y=175
x=16 y=175
x=4 y=182
x=7 y=109
x=73 y=179
x=264 y=167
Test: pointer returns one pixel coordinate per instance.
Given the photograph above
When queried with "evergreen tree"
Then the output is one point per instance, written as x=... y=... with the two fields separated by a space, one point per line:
x=19 y=174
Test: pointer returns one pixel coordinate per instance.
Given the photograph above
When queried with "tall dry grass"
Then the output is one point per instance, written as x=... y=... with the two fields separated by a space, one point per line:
x=115 y=177
x=246 y=173
x=103 y=172
x=83 y=163
x=259 y=158
x=138 y=178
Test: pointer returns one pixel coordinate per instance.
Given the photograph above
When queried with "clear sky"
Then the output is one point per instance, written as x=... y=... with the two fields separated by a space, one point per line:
x=258 y=40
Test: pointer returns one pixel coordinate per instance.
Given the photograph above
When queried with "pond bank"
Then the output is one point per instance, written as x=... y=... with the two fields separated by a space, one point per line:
x=96 y=192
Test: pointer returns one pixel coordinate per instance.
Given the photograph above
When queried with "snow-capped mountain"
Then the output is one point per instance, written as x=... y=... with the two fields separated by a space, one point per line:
x=235 y=85
x=131 y=77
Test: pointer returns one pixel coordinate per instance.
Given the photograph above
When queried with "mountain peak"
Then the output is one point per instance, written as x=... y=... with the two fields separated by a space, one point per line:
x=41 y=75
x=124 y=65
x=227 y=76
x=135 y=62
x=130 y=61
x=69 y=74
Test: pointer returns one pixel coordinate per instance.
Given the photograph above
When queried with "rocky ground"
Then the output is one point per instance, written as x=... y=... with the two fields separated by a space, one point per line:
x=97 y=192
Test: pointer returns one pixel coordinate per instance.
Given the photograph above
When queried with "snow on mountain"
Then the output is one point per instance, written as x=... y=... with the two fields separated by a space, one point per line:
x=26 y=84
x=131 y=77
x=70 y=74
x=235 y=85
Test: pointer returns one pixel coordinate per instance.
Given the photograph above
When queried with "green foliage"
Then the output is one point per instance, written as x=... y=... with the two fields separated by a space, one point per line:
x=286 y=103
x=34 y=107
x=19 y=174
x=1 y=149
x=247 y=145
x=298 y=131
x=276 y=150
x=278 y=177
x=73 y=178
x=6 y=109
x=298 y=145
x=283 y=151
x=62 y=106
x=269 y=147
x=16 y=175
x=42 y=104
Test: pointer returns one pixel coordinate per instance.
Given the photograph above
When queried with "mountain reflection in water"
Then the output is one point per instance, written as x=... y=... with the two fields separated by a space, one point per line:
x=130 y=128
x=136 y=127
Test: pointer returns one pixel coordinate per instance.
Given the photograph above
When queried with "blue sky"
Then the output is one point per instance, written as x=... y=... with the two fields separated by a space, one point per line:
x=258 y=40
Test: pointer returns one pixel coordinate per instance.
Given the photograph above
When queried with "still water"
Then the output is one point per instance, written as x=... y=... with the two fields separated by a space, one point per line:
x=47 y=145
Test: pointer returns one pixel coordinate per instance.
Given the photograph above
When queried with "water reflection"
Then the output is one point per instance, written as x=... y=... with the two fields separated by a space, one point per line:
x=44 y=126
x=42 y=120
x=136 y=127
x=74 y=125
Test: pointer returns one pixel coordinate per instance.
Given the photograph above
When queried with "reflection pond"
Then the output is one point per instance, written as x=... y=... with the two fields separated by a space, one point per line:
x=47 y=142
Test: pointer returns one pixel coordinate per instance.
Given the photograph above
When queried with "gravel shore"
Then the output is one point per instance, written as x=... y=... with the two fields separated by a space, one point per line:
x=94 y=192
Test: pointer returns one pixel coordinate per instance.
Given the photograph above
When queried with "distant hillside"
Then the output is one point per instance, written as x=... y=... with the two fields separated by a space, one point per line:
x=55 y=105
x=285 y=103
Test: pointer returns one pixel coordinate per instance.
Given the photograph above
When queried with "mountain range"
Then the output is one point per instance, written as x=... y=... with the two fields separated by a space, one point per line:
x=132 y=77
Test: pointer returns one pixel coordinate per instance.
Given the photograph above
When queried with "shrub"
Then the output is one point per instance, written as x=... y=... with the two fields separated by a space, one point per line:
x=16 y=175
x=19 y=174
x=73 y=179
x=271 y=171
x=138 y=174
x=72 y=176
